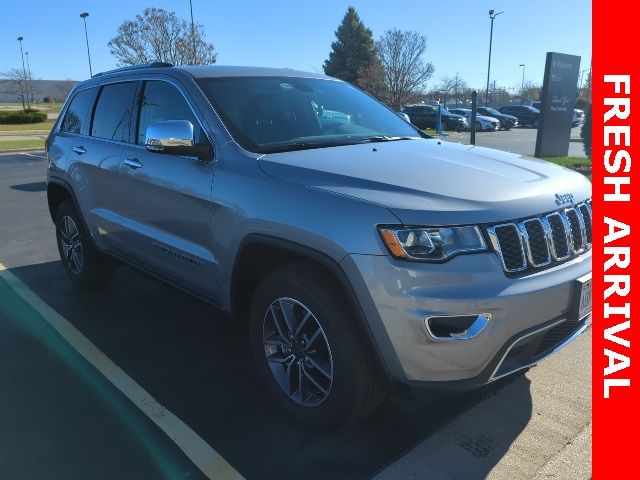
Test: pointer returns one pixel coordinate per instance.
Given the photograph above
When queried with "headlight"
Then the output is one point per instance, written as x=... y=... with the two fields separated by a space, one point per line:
x=434 y=244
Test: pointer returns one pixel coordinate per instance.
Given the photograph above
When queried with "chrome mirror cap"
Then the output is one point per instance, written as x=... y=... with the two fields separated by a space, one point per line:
x=169 y=134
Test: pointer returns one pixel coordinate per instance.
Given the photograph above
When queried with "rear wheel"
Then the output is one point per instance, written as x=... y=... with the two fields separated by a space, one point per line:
x=309 y=352
x=478 y=126
x=84 y=265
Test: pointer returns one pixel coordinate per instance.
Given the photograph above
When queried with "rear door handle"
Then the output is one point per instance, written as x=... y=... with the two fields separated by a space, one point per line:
x=79 y=150
x=131 y=162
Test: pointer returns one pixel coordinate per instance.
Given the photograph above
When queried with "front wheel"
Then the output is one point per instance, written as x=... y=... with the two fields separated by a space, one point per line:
x=309 y=352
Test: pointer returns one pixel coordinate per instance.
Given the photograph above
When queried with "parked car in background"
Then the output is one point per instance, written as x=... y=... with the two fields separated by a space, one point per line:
x=527 y=115
x=404 y=116
x=578 y=117
x=424 y=116
x=507 y=122
x=483 y=123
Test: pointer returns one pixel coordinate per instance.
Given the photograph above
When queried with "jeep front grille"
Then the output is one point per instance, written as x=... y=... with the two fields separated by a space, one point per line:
x=542 y=241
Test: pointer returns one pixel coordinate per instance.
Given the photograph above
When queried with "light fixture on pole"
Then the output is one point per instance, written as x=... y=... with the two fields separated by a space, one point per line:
x=522 y=88
x=84 y=16
x=193 y=32
x=24 y=72
x=492 y=16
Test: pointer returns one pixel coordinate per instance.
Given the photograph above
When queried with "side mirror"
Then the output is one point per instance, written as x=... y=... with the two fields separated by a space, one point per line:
x=174 y=137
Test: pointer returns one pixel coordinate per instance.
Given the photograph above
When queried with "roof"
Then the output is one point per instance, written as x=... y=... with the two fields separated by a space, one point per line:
x=209 y=71
x=239 y=71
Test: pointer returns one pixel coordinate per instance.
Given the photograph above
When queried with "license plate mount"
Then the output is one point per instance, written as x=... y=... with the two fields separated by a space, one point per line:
x=582 y=299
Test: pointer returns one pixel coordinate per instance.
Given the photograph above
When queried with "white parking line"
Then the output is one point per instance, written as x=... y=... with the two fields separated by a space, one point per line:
x=32 y=155
x=210 y=462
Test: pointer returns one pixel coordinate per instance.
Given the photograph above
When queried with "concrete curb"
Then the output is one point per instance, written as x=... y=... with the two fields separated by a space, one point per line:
x=20 y=150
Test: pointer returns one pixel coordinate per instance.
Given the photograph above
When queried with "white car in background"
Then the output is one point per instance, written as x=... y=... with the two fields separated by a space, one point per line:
x=578 y=117
x=483 y=123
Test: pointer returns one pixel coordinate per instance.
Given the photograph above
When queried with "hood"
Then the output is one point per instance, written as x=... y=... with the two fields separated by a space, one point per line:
x=433 y=182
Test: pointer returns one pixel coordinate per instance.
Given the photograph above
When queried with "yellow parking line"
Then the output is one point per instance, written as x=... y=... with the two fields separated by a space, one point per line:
x=210 y=462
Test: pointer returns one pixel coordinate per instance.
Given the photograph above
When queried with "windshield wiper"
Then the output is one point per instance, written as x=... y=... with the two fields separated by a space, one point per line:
x=384 y=138
x=307 y=145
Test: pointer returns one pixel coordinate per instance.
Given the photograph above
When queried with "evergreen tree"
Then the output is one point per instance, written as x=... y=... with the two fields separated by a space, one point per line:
x=353 y=52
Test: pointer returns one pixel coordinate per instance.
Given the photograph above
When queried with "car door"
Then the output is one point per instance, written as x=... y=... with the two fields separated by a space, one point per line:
x=168 y=210
x=94 y=163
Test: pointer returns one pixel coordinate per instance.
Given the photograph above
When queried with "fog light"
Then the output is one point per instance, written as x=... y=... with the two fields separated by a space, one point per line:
x=456 y=327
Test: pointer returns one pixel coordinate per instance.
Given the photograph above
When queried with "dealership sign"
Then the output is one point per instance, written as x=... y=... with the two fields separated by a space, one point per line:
x=559 y=92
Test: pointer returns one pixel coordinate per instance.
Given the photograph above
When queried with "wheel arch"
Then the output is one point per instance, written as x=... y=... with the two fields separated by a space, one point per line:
x=58 y=190
x=259 y=254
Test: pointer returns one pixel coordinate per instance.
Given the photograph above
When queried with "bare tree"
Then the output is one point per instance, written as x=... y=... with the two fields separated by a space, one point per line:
x=15 y=84
x=159 y=36
x=531 y=91
x=406 y=72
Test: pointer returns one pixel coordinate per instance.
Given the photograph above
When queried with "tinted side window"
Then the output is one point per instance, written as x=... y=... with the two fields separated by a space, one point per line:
x=163 y=101
x=112 y=117
x=78 y=112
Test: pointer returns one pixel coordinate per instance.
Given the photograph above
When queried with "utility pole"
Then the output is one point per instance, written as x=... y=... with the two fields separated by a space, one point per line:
x=26 y=54
x=24 y=72
x=522 y=88
x=492 y=16
x=84 y=16
x=193 y=32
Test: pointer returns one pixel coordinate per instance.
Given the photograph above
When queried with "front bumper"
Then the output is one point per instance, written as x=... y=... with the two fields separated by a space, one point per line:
x=397 y=296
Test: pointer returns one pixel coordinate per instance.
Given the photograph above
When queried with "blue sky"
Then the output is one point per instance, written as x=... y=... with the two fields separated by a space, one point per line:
x=298 y=35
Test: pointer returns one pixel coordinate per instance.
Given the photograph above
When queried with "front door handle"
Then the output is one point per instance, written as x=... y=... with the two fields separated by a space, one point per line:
x=79 y=150
x=131 y=162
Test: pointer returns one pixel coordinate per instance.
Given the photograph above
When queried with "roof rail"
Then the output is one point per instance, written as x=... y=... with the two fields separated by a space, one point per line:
x=136 y=67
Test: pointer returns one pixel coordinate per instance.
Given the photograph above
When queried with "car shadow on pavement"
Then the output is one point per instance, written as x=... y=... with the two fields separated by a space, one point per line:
x=196 y=362
x=31 y=187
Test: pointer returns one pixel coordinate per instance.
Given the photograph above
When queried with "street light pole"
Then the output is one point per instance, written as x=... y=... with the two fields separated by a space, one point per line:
x=26 y=54
x=492 y=16
x=193 y=32
x=522 y=88
x=24 y=72
x=84 y=16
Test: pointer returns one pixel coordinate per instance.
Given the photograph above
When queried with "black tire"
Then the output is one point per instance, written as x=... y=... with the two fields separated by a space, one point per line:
x=478 y=127
x=83 y=263
x=357 y=387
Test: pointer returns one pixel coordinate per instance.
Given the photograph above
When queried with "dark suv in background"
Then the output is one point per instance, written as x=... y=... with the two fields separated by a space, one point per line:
x=424 y=116
x=507 y=122
x=527 y=116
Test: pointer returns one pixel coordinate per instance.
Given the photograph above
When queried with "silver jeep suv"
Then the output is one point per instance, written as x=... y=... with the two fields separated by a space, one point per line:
x=367 y=257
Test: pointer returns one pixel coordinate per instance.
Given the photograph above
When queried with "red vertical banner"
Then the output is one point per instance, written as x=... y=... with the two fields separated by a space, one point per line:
x=616 y=337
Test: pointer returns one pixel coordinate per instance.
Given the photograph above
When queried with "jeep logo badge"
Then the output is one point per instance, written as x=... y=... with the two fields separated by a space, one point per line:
x=564 y=199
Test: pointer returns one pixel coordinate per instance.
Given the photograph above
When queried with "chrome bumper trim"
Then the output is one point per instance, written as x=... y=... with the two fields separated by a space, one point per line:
x=558 y=347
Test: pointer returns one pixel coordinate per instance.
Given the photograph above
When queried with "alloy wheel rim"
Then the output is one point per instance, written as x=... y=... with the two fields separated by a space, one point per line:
x=71 y=244
x=297 y=352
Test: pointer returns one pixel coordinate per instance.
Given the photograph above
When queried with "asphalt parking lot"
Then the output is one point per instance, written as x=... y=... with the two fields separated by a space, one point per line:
x=517 y=140
x=63 y=417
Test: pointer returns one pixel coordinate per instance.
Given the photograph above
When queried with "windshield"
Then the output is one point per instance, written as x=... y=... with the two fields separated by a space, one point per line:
x=270 y=114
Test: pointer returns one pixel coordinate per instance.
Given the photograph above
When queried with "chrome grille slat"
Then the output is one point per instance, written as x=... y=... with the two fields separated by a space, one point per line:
x=543 y=240
x=536 y=241
x=508 y=243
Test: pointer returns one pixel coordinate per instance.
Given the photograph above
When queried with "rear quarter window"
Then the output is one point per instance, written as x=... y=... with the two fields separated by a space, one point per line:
x=77 y=115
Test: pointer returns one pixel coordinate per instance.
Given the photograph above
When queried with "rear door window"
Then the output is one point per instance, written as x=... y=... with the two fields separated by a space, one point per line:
x=112 y=116
x=77 y=115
